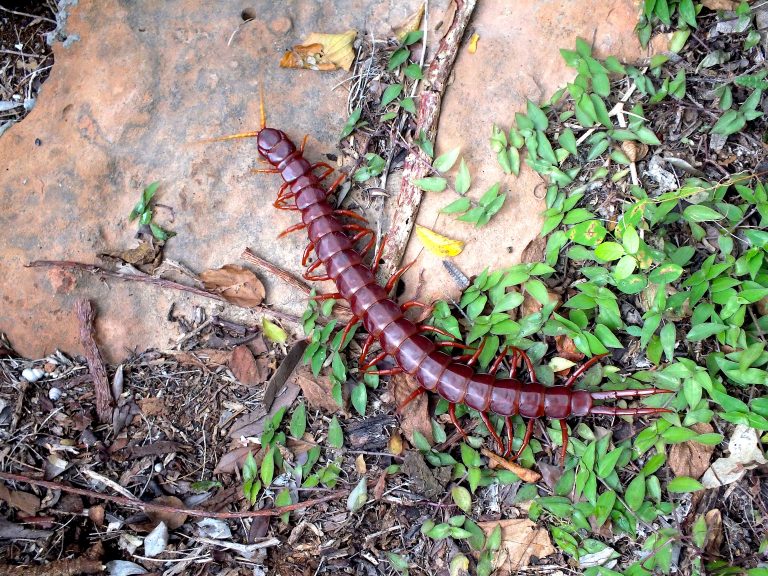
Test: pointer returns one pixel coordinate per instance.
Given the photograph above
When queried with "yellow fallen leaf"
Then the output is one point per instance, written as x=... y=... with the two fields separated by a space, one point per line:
x=411 y=24
x=273 y=331
x=438 y=244
x=473 y=43
x=322 y=52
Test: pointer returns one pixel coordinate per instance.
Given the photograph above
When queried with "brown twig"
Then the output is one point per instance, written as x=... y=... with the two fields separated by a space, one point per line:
x=163 y=283
x=134 y=503
x=63 y=567
x=285 y=276
x=525 y=474
x=85 y=319
x=417 y=163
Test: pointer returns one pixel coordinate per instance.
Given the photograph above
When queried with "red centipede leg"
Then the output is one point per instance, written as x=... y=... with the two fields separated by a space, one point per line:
x=583 y=368
x=378 y=358
x=492 y=430
x=510 y=435
x=528 y=363
x=335 y=183
x=396 y=276
x=497 y=363
x=351 y=214
x=390 y=372
x=527 y=439
x=436 y=330
x=377 y=256
x=329 y=296
x=454 y=420
x=363 y=234
x=411 y=397
x=412 y=304
x=564 y=429
x=475 y=356
x=366 y=347
x=307 y=252
x=294 y=228
x=314 y=266
x=272 y=170
x=303 y=143
x=352 y=322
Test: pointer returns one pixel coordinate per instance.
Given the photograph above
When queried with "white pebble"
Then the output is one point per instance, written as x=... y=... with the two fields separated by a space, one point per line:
x=32 y=374
x=156 y=541
x=54 y=393
x=159 y=467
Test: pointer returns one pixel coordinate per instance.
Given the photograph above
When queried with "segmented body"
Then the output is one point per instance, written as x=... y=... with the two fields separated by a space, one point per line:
x=401 y=338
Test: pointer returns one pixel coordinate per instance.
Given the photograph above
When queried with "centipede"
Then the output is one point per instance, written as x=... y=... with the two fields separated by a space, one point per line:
x=335 y=245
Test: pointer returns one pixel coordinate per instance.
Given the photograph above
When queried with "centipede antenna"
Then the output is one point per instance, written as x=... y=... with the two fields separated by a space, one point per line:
x=614 y=411
x=230 y=137
x=616 y=394
x=262 y=109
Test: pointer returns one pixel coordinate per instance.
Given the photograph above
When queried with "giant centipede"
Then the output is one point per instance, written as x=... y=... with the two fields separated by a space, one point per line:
x=453 y=378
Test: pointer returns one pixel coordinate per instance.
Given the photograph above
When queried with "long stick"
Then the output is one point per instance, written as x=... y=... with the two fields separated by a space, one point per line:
x=85 y=318
x=416 y=164
x=135 y=503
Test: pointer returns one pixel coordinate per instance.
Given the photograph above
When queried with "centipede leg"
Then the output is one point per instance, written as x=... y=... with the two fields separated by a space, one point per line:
x=366 y=347
x=351 y=214
x=307 y=252
x=377 y=256
x=564 y=429
x=583 y=368
x=413 y=304
x=389 y=372
x=454 y=420
x=294 y=228
x=527 y=439
x=336 y=183
x=411 y=397
x=308 y=273
x=436 y=330
x=476 y=355
x=528 y=363
x=378 y=358
x=492 y=430
x=396 y=276
x=271 y=170
x=352 y=322
x=329 y=296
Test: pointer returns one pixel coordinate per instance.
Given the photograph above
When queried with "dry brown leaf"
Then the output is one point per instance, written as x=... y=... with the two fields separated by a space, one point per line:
x=245 y=368
x=414 y=416
x=714 y=539
x=322 y=52
x=147 y=252
x=535 y=251
x=27 y=503
x=691 y=458
x=172 y=519
x=520 y=540
x=236 y=284
x=720 y=4
x=567 y=349
x=202 y=358
x=234 y=459
x=317 y=390
x=410 y=24
x=525 y=474
x=153 y=406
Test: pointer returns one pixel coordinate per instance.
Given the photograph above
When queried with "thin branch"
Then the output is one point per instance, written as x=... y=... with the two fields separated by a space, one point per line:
x=435 y=82
x=68 y=265
x=134 y=503
x=85 y=319
x=249 y=256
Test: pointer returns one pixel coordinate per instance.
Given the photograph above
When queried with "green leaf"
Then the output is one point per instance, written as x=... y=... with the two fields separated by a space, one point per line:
x=420 y=442
x=273 y=332
x=391 y=92
x=646 y=136
x=408 y=105
x=568 y=141
x=268 y=466
x=635 y=493
x=412 y=37
x=414 y=71
x=445 y=162
x=398 y=562
x=462 y=498
x=605 y=503
x=589 y=233
x=665 y=273
x=352 y=123
x=460 y=205
x=463 y=178
x=609 y=251
x=358 y=496
x=684 y=484
x=705 y=330
x=431 y=184
x=633 y=284
x=359 y=397
x=149 y=193
x=601 y=85
x=729 y=123
x=699 y=213
x=299 y=421
x=283 y=498
x=537 y=116
x=335 y=435
x=398 y=57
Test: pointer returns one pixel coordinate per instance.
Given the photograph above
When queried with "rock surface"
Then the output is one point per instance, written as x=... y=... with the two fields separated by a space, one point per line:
x=127 y=103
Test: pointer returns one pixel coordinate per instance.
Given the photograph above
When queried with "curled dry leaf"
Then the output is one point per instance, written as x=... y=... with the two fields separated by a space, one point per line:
x=234 y=459
x=410 y=24
x=236 y=284
x=520 y=540
x=245 y=368
x=322 y=52
x=691 y=458
x=745 y=454
x=634 y=150
x=147 y=252
x=23 y=501
x=414 y=416
x=714 y=539
x=172 y=519
x=567 y=349
x=317 y=391
x=437 y=244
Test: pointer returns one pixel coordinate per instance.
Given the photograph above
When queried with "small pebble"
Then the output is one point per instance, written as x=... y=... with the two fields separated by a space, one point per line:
x=159 y=467
x=32 y=374
x=54 y=393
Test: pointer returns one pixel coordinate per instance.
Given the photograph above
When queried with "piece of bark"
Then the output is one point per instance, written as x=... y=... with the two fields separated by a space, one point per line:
x=85 y=318
x=417 y=162
x=370 y=433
